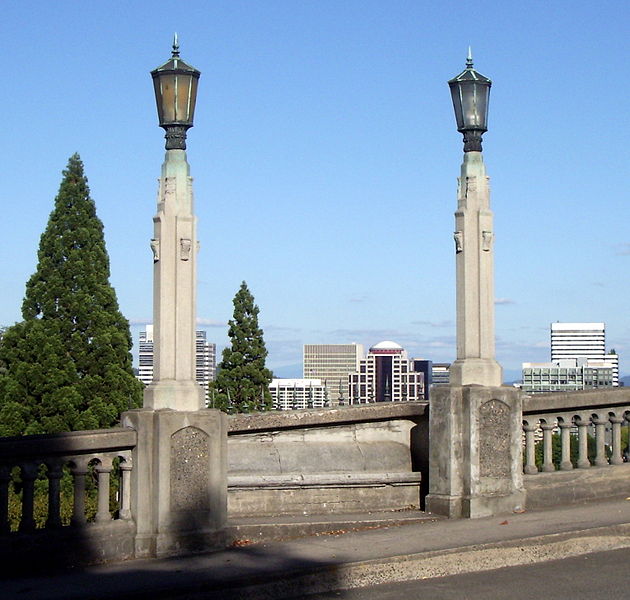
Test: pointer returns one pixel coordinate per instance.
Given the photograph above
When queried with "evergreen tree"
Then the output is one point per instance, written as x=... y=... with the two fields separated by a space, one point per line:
x=67 y=365
x=242 y=383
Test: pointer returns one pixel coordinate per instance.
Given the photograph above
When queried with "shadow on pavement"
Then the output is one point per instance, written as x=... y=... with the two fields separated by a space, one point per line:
x=252 y=572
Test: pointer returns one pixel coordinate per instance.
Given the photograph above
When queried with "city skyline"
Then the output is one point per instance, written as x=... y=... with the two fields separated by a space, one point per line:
x=325 y=157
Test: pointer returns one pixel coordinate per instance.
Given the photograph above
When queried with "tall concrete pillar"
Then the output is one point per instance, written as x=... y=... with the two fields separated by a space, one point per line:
x=174 y=246
x=474 y=237
x=475 y=425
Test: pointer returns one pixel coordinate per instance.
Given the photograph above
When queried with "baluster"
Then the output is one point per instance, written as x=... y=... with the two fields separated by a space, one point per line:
x=104 y=468
x=5 y=477
x=616 y=458
x=547 y=429
x=125 y=489
x=565 y=438
x=55 y=471
x=530 y=449
x=79 y=471
x=600 y=432
x=29 y=475
x=582 y=425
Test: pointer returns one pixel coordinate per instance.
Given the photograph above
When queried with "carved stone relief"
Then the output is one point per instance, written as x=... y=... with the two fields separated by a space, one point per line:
x=494 y=439
x=185 y=247
x=458 y=236
x=486 y=240
x=155 y=248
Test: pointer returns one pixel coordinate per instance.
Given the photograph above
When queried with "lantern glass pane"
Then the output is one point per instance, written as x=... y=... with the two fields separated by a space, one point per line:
x=457 y=105
x=182 y=98
x=168 y=87
x=193 y=98
x=474 y=104
x=158 y=98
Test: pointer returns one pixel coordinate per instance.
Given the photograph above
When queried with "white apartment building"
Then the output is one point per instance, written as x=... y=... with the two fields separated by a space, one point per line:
x=294 y=394
x=582 y=340
x=576 y=340
x=331 y=363
x=205 y=360
x=612 y=360
x=386 y=375
x=145 y=355
x=205 y=357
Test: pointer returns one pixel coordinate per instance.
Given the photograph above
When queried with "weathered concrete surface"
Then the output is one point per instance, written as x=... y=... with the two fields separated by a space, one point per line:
x=561 y=488
x=178 y=498
x=72 y=443
x=276 y=420
x=347 y=459
x=264 y=529
x=335 y=562
x=475 y=451
x=580 y=400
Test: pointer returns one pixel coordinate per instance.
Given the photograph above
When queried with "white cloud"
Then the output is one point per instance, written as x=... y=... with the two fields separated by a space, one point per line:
x=622 y=249
x=503 y=301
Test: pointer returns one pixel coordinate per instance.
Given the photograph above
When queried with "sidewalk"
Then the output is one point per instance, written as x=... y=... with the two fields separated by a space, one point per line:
x=294 y=568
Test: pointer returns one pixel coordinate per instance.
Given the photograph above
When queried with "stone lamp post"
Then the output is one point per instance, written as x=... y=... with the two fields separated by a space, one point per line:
x=174 y=246
x=475 y=467
x=474 y=236
x=179 y=488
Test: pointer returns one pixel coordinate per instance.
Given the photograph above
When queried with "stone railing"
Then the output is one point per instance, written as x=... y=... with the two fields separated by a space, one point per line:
x=82 y=452
x=577 y=415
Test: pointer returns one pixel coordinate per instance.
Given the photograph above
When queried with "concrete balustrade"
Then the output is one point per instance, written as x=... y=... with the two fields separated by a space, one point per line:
x=604 y=427
x=374 y=457
x=598 y=416
x=51 y=453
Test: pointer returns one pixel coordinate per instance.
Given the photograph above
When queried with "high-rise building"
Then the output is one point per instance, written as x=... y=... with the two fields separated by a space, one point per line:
x=332 y=363
x=206 y=360
x=145 y=355
x=612 y=360
x=440 y=373
x=205 y=357
x=577 y=340
x=582 y=341
x=386 y=375
x=294 y=394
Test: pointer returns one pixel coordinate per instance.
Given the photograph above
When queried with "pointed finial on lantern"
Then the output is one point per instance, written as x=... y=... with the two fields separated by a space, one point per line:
x=469 y=59
x=175 y=46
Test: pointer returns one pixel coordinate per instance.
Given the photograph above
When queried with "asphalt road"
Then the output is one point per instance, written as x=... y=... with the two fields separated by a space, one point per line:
x=597 y=576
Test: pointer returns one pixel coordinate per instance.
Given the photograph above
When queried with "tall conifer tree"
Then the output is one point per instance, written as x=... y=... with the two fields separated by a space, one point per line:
x=242 y=383
x=67 y=365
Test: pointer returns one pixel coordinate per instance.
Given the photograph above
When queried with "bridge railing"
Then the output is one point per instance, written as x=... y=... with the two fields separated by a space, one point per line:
x=578 y=416
x=23 y=459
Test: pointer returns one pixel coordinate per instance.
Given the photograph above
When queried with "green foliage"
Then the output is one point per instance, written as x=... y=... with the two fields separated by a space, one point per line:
x=242 y=383
x=556 y=450
x=67 y=365
x=66 y=496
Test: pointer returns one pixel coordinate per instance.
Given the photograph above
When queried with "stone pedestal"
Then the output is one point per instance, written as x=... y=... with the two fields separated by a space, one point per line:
x=475 y=464
x=179 y=487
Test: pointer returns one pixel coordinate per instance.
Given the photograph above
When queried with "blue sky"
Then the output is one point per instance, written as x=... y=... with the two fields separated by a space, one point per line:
x=325 y=158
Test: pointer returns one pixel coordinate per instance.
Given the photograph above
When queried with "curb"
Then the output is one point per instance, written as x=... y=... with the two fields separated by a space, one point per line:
x=276 y=532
